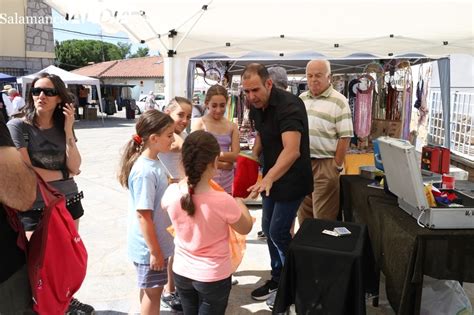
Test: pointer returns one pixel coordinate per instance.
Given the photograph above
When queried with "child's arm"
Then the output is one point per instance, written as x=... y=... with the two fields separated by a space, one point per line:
x=231 y=156
x=148 y=229
x=244 y=224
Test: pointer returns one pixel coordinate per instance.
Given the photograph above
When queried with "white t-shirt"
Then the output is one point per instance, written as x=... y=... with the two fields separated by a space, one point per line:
x=172 y=161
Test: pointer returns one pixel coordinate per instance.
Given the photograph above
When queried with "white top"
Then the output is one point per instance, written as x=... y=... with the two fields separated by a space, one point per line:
x=172 y=161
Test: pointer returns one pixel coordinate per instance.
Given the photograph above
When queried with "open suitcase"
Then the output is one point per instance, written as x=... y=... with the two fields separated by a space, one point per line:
x=403 y=175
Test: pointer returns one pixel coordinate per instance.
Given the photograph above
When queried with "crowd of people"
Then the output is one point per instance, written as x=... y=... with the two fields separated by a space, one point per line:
x=181 y=210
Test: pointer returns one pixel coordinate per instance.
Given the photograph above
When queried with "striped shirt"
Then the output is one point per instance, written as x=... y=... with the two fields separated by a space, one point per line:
x=329 y=118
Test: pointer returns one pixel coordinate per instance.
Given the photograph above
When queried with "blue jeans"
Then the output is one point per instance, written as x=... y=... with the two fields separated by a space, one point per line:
x=203 y=298
x=277 y=218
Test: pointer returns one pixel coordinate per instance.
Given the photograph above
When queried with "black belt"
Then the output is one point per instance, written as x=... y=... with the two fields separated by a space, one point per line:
x=77 y=197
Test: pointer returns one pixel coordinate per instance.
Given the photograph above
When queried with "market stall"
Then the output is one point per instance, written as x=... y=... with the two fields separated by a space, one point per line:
x=379 y=90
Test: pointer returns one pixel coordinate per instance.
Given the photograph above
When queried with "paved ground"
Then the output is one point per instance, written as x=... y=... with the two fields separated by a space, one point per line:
x=110 y=283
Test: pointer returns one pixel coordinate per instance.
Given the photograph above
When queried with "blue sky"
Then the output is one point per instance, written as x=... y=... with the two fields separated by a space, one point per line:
x=61 y=33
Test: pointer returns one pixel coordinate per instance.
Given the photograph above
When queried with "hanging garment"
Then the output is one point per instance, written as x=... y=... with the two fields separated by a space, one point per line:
x=389 y=103
x=407 y=115
x=363 y=107
x=419 y=94
x=352 y=95
x=423 y=110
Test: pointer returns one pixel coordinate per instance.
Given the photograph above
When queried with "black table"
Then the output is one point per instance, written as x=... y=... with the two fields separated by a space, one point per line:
x=325 y=274
x=404 y=251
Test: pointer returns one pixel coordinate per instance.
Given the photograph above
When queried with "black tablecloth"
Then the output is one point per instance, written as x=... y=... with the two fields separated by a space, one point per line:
x=403 y=250
x=325 y=274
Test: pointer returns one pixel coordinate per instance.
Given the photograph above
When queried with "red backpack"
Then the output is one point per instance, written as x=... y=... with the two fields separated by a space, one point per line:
x=56 y=255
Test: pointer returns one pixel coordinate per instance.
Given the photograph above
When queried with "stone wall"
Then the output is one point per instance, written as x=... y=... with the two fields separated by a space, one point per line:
x=38 y=39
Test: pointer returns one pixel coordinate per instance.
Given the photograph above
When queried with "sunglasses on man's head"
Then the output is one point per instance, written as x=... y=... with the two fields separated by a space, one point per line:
x=46 y=91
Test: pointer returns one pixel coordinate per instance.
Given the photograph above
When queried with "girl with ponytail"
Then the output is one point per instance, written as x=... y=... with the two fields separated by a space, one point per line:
x=149 y=243
x=201 y=217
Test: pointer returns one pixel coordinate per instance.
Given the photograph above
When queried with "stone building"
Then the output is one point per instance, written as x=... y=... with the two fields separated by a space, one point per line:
x=26 y=34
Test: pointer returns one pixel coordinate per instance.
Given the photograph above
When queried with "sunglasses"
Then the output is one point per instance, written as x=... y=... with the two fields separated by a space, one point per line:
x=46 y=91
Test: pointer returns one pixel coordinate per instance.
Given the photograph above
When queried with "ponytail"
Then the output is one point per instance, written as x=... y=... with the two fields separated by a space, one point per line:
x=150 y=122
x=132 y=151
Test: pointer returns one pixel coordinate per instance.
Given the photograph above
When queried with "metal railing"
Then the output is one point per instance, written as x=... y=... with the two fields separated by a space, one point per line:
x=461 y=120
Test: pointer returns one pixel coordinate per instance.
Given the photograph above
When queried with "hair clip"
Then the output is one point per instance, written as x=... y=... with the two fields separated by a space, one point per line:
x=137 y=139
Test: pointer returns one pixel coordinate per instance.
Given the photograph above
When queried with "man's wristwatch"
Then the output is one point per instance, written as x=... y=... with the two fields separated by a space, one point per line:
x=339 y=168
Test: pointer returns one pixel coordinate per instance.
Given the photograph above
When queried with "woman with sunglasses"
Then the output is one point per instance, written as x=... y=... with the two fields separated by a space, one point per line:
x=45 y=138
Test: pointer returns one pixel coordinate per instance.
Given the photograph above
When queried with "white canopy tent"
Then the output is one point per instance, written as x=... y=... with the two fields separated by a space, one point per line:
x=182 y=29
x=66 y=76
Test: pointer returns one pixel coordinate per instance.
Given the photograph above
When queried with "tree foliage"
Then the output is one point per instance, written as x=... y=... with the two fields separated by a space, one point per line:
x=141 y=52
x=74 y=53
x=124 y=49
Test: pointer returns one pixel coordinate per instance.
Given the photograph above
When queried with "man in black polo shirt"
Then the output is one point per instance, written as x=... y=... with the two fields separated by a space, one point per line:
x=282 y=124
x=17 y=190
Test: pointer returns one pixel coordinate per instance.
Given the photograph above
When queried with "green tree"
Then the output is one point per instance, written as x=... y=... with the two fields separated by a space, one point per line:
x=141 y=52
x=73 y=54
x=124 y=49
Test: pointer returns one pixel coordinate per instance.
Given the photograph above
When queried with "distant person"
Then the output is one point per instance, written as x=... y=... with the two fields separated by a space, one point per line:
x=330 y=125
x=149 y=243
x=225 y=132
x=46 y=140
x=279 y=77
x=198 y=108
x=201 y=219
x=6 y=106
x=17 y=101
x=83 y=95
x=150 y=101
x=18 y=191
x=282 y=125
x=83 y=99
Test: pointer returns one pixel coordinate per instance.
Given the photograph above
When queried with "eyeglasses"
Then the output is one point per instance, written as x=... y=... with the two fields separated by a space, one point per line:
x=46 y=91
